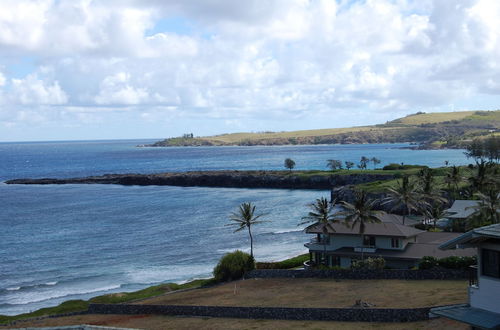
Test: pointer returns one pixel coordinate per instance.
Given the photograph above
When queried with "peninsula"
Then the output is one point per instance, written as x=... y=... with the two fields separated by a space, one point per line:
x=426 y=130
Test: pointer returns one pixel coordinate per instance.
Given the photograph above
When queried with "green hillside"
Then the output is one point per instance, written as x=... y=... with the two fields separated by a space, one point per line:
x=429 y=130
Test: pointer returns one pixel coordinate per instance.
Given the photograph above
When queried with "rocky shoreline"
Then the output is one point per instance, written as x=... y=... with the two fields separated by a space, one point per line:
x=232 y=179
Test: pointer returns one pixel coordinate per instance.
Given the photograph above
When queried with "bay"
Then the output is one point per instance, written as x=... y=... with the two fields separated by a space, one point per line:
x=77 y=241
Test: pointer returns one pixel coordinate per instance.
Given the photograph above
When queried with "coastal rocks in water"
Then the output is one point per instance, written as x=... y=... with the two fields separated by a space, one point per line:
x=237 y=179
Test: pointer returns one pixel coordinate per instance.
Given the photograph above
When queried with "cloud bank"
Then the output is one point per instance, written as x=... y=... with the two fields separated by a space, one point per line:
x=168 y=67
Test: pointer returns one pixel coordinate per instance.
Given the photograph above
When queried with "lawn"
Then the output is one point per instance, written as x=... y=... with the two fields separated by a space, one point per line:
x=321 y=293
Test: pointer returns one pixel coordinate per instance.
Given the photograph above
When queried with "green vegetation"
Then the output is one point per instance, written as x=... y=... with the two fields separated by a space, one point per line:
x=294 y=262
x=72 y=306
x=451 y=262
x=434 y=130
x=233 y=266
x=289 y=164
x=369 y=263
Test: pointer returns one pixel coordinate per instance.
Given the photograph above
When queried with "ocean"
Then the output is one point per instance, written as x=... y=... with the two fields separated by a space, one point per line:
x=61 y=242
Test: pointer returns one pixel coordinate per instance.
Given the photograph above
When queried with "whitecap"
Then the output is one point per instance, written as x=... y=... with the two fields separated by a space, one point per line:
x=51 y=283
x=15 y=288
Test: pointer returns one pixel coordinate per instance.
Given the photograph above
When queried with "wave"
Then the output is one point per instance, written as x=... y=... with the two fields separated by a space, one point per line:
x=285 y=231
x=31 y=286
x=15 y=288
x=44 y=296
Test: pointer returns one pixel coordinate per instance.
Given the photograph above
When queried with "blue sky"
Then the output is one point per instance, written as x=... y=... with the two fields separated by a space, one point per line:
x=95 y=69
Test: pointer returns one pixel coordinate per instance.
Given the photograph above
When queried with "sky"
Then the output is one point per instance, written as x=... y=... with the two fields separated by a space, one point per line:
x=117 y=69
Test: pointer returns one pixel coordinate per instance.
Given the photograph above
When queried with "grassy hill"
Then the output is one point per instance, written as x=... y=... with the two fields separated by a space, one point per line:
x=436 y=130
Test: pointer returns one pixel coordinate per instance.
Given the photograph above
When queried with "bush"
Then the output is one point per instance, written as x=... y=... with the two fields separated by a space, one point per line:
x=427 y=262
x=369 y=263
x=451 y=262
x=284 y=264
x=233 y=266
x=454 y=262
x=394 y=166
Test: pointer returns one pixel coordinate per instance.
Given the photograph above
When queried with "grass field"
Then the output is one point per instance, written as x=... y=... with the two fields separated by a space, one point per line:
x=409 y=128
x=321 y=293
x=286 y=293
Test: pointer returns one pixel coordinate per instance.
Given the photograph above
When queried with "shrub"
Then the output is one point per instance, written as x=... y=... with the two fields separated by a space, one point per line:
x=427 y=262
x=394 y=166
x=369 y=263
x=451 y=262
x=233 y=266
x=454 y=262
x=284 y=264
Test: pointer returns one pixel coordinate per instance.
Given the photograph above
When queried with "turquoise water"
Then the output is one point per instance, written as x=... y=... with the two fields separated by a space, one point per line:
x=78 y=241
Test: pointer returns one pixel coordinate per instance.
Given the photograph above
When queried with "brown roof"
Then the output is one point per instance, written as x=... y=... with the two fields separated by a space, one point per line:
x=412 y=251
x=385 y=228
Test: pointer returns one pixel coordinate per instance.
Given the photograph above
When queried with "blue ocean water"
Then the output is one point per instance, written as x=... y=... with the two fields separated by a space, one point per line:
x=60 y=242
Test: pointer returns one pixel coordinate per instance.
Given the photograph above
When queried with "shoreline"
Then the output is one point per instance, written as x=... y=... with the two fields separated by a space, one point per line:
x=317 y=180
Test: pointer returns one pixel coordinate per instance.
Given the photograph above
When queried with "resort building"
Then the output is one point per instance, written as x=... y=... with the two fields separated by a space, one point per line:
x=483 y=309
x=402 y=246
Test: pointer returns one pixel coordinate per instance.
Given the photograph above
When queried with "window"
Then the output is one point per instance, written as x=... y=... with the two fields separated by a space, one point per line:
x=369 y=241
x=490 y=263
x=395 y=242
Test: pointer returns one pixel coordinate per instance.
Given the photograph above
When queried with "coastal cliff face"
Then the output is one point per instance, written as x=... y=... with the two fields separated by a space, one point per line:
x=236 y=179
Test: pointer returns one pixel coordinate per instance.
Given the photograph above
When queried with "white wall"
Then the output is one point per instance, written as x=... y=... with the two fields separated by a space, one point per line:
x=487 y=294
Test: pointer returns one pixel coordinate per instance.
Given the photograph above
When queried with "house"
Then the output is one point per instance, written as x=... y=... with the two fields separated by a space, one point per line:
x=483 y=308
x=458 y=213
x=401 y=246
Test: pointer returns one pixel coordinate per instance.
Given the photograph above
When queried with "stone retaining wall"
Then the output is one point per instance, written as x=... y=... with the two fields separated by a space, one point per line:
x=386 y=274
x=277 y=313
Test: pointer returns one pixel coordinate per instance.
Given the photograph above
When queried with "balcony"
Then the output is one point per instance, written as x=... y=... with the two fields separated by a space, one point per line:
x=366 y=248
x=316 y=241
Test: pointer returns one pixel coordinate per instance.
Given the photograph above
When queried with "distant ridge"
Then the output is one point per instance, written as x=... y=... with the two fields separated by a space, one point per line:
x=428 y=130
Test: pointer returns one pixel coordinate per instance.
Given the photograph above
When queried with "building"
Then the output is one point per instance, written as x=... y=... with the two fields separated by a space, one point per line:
x=402 y=246
x=483 y=309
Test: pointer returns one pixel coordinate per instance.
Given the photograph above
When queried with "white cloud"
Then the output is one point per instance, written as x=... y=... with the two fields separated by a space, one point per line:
x=251 y=59
x=32 y=90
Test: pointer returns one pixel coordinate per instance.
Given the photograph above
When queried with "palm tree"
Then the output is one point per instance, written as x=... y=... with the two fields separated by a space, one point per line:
x=360 y=212
x=375 y=161
x=432 y=199
x=245 y=218
x=321 y=213
x=405 y=194
x=453 y=178
x=487 y=209
x=434 y=212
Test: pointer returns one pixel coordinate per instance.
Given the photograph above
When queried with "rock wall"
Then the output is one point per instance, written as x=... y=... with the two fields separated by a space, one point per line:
x=385 y=274
x=275 y=313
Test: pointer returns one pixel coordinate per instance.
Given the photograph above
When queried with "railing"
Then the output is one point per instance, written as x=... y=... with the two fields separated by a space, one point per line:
x=322 y=241
x=473 y=276
x=366 y=248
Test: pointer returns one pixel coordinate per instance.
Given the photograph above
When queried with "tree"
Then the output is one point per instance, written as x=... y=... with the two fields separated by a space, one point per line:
x=487 y=210
x=360 y=213
x=363 y=162
x=453 y=179
x=349 y=164
x=375 y=161
x=245 y=218
x=334 y=164
x=321 y=213
x=289 y=164
x=233 y=266
x=431 y=205
x=406 y=194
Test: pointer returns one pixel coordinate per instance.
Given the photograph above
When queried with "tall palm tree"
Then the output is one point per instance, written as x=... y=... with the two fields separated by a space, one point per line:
x=321 y=213
x=245 y=218
x=453 y=179
x=360 y=212
x=405 y=194
x=432 y=201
